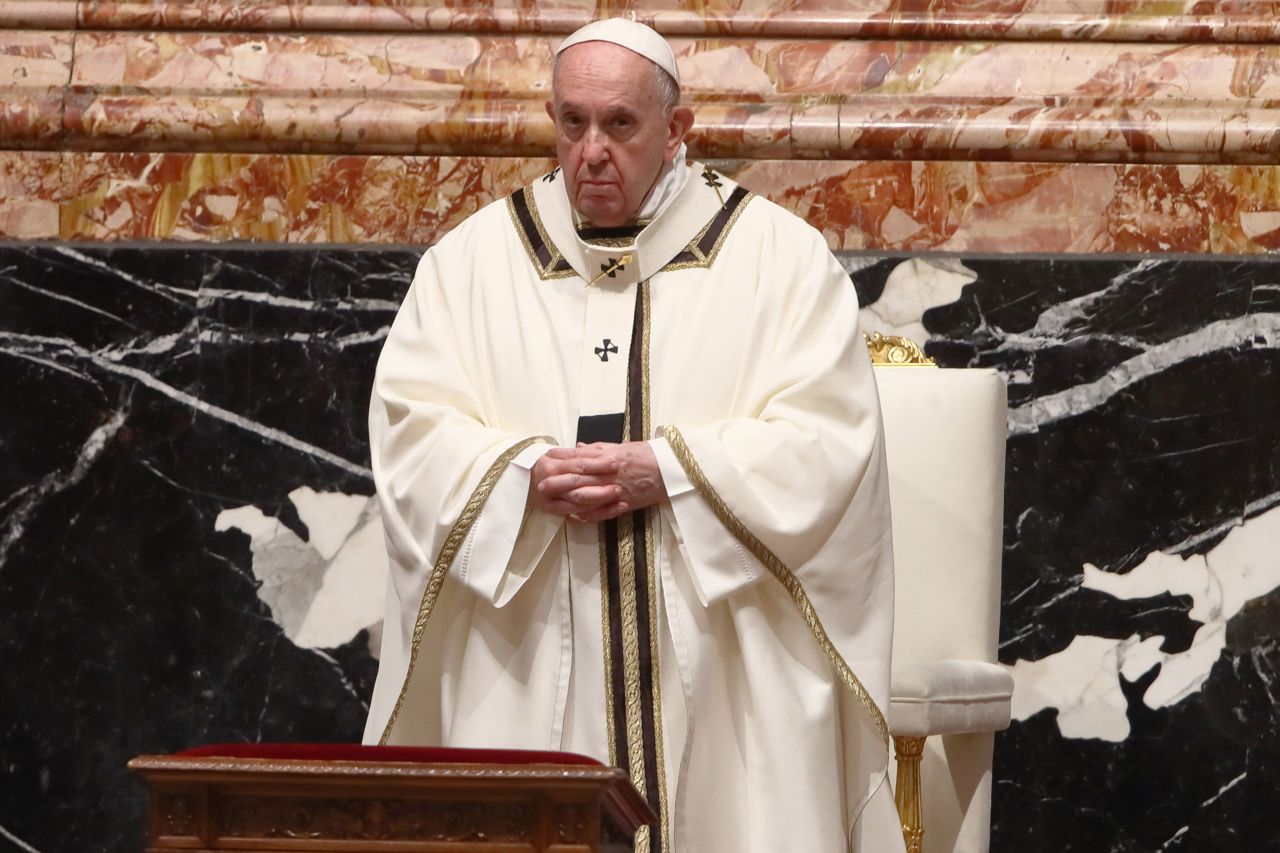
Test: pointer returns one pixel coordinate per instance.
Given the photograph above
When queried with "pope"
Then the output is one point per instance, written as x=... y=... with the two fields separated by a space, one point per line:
x=630 y=464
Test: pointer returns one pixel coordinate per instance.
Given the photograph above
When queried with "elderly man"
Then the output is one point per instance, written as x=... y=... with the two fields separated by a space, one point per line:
x=629 y=458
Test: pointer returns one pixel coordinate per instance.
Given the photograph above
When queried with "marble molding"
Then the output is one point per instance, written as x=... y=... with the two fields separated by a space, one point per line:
x=1129 y=20
x=755 y=98
x=35 y=68
x=858 y=205
x=189 y=551
x=39 y=14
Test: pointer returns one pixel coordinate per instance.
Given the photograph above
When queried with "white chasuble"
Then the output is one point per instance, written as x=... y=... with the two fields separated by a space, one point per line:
x=729 y=649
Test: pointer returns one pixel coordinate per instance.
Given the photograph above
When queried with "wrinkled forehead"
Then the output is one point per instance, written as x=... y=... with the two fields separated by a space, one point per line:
x=601 y=70
x=605 y=59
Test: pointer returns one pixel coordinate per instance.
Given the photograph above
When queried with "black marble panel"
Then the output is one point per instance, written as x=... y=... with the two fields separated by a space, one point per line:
x=1144 y=418
x=147 y=389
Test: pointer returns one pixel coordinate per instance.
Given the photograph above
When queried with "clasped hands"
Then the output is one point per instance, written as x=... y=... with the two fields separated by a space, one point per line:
x=596 y=482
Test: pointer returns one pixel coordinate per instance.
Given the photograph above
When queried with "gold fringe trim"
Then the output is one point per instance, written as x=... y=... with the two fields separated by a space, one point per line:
x=779 y=570
x=452 y=542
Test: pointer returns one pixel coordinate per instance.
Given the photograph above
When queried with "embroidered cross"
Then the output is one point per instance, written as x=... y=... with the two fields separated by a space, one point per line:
x=610 y=269
x=606 y=350
x=551 y=176
x=711 y=178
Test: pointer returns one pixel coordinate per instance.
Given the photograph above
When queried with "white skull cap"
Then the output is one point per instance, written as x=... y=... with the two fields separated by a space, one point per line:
x=633 y=35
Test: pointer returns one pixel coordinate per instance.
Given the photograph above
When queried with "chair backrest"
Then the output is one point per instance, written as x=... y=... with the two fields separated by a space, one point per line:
x=945 y=440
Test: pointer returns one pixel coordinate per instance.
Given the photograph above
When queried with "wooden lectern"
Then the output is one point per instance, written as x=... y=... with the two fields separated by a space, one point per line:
x=338 y=797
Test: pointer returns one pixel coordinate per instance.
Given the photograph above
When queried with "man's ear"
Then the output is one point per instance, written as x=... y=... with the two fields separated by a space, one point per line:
x=678 y=126
x=551 y=110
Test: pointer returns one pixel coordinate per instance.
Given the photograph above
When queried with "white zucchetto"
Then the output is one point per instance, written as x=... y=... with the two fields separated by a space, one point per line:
x=633 y=35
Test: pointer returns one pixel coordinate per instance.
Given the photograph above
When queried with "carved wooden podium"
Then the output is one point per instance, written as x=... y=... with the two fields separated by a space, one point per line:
x=336 y=797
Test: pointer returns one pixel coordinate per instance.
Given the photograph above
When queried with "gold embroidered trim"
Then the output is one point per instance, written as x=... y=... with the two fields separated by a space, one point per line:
x=548 y=272
x=779 y=570
x=607 y=624
x=654 y=644
x=651 y=560
x=629 y=630
x=705 y=260
x=611 y=242
x=646 y=318
x=452 y=542
x=631 y=651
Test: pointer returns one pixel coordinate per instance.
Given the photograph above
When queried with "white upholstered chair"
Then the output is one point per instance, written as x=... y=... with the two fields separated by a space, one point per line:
x=945 y=436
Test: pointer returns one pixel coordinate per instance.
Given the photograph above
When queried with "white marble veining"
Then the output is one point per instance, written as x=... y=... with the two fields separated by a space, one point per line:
x=17 y=842
x=913 y=287
x=32 y=497
x=1082 y=680
x=168 y=292
x=60 y=297
x=56 y=352
x=325 y=589
x=1253 y=330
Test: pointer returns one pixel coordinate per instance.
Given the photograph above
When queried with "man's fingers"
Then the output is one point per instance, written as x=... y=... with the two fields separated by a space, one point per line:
x=600 y=448
x=597 y=465
x=579 y=500
x=590 y=497
x=557 y=485
x=550 y=466
x=602 y=513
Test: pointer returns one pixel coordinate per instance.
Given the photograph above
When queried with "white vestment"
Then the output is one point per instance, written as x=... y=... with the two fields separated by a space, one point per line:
x=729 y=649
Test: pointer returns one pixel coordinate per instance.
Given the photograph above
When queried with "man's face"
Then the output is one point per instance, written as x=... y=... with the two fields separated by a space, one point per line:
x=612 y=133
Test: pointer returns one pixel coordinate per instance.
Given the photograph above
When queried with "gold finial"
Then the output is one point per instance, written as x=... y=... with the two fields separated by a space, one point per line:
x=896 y=351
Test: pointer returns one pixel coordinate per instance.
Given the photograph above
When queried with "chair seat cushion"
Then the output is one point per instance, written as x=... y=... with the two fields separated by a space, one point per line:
x=949 y=697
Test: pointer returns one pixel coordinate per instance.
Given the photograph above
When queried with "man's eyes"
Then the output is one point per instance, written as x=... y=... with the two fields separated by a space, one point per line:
x=621 y=123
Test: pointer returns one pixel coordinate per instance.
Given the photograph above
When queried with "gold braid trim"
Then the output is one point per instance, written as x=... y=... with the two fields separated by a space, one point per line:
x=703 y=261
x=607 y=627
x=452 y=542
x=547 y=272
x=651 y=559
x=779 y=570
x=631 y=651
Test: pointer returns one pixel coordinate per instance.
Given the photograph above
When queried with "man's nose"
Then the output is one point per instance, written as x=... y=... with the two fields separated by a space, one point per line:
x=594 y=147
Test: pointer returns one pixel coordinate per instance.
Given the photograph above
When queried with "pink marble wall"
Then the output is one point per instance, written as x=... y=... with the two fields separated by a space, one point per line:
x=941 y=205
x=1179 y=20
x=483 y=94
x=1016 y=126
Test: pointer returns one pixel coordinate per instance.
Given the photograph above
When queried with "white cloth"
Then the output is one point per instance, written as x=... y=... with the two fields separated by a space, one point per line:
x=770 y=587
x=667 y=186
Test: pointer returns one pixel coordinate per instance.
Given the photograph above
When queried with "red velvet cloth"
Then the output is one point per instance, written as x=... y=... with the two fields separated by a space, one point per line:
x=358 y=752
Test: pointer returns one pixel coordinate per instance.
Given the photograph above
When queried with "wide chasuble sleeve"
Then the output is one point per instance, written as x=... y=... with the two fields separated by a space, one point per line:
x=750 y=712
